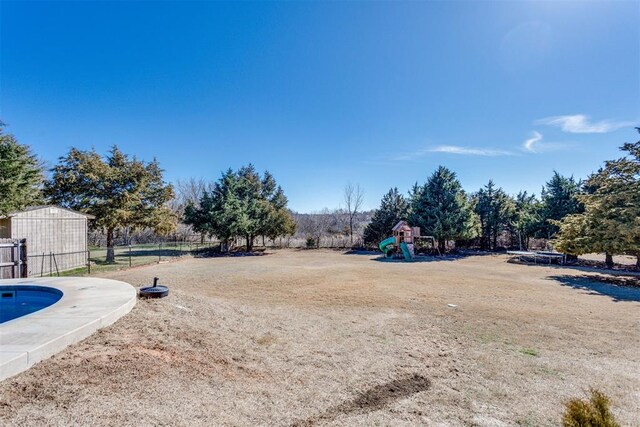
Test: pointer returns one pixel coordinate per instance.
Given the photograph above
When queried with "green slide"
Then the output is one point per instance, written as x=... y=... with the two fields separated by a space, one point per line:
x=405 y=251
x=387 y=245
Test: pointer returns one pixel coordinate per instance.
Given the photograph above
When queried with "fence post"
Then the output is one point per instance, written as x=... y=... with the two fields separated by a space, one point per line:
x=15 y=253
x=56 y=264
x=50 y=264
x=129 y=255
x=24 y=268
x=159 y=252
x=89 y=262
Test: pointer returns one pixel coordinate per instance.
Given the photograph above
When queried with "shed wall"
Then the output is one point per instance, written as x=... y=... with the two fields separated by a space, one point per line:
x=52 y=231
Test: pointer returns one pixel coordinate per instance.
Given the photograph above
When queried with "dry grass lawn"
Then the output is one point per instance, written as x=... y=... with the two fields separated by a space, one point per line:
x=325 y=338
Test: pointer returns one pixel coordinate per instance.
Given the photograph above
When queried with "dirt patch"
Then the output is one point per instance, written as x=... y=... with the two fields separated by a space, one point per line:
x=374 y=399
x=379 y=396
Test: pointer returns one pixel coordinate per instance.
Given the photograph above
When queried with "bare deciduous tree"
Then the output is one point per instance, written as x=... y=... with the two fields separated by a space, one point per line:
x=190 y=190
x=315 y=225
x=353 y=200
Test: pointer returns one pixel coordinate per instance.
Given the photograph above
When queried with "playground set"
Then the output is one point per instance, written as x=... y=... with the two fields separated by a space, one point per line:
x=401 y=244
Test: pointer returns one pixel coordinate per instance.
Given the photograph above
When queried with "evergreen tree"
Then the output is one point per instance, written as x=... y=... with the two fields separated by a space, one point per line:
x=559 y=199
x=527 y=218
x=441 y=209
x=275 y=218
x=253 y=204
x=196 y=214
x=611 y=221
x=573 y=235
x=496 y=212
x=118 y=190
x=242 y=204
x=393 y=208
x=20 y=175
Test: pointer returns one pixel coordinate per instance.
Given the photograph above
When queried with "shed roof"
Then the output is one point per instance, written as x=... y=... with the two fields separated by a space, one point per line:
x=401 y=225
x=35 y=208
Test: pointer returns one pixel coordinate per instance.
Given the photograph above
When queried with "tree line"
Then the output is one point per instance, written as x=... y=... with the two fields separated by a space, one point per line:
x=442 y=209
x=124 y=192
x=241 y=203
x=334 y=228
x=337 y=227
x=129 y=197
x=599 y=214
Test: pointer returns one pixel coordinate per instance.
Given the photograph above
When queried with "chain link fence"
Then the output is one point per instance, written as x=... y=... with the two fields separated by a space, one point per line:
x=94 y=261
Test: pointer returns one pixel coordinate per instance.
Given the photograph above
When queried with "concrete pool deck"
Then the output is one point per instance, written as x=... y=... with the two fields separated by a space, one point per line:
x=87 y=305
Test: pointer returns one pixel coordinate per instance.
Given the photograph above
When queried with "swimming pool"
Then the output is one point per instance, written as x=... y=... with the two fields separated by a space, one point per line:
x=18 y=301
x=64 y=311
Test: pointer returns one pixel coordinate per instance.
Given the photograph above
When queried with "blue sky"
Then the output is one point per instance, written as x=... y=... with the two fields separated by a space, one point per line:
x=376 y=93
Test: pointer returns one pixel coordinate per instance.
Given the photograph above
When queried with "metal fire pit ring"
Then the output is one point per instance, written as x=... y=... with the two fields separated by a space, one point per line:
x=155 y=291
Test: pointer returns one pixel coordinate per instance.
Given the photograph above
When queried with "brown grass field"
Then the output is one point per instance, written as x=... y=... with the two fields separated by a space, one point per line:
x=325 y=338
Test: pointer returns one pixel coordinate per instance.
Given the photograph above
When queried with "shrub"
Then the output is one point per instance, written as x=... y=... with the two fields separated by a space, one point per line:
x=593 y=412
x=311 y=243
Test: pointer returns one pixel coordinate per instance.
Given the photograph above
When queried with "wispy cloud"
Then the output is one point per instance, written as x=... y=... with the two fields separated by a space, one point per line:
x=579 y=123
x=533 y=145
x=450 y=149
x=411 y=155
x=536 y=144
x=466 y=151
x=529 y=144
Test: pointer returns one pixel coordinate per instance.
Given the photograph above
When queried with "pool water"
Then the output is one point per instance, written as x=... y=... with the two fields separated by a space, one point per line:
x=18 y=301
